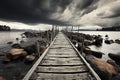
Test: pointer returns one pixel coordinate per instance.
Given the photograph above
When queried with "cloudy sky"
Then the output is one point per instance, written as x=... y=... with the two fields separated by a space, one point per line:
x=38 y=14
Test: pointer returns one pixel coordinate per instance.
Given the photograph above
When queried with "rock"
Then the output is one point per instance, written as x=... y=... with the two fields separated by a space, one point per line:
x=109 y=41
x=9 y=42
x=74 y=42
x=79 y=46
x=112 y=62
x=106 y=35
x=88 y=42
x=97 y=54
x=2 y=78
x=6 y=60
x=117 y=41
x=98 y=41
x=105 y=70
x=16 y=45
x=42 y=49
x=30 y=49
x=16 y=53
x=87 y=50
x=88 y=37
x=115 y=57
x=29 y=58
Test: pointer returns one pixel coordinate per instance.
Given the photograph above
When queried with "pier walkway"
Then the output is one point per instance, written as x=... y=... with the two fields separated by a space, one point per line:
x=61 y=61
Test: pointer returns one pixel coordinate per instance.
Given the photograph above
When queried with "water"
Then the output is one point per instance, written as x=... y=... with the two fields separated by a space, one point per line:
x=9 y=36
x=13 y=70
x=106 y=48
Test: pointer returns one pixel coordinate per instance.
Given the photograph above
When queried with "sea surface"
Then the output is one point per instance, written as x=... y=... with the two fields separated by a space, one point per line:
x=106 y=48
x=13 y=70
x=9 y=36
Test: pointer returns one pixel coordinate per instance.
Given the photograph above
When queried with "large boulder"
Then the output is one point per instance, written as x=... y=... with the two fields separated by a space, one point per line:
x=16 y=45
x=98 y=40
x=117 y=41
x=105 y=70
x=97 y=54
x=30 y=49
x=16 y=53
x=109 y=41
x=2 y=78
x=88 y=42
x=115 y=57
x=29 y=58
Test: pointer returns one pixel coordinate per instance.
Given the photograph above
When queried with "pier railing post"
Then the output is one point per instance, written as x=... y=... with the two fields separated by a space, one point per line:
x=82 y=44
x=38 y=48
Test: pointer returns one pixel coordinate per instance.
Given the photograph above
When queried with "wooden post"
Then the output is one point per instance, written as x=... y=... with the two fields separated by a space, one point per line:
x=71 y=31
x=82 y=44
x=38 y=48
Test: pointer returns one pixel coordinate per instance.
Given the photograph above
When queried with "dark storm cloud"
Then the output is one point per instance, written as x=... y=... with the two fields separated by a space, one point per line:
x=68 y=12
x=31 y=11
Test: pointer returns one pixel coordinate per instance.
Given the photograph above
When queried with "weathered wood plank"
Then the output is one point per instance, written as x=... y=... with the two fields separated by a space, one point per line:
x=61 y=62
x=81 y=76
x=60 y=55
x=66 y=69
x=60 y=45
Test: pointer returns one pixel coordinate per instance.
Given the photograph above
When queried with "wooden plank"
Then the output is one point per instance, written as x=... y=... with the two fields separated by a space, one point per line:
x=63 y=56
x=81 y=76
x=59 y=69
x=61 y=50
x=58 y=58
x=61 y=62
x=60 y=45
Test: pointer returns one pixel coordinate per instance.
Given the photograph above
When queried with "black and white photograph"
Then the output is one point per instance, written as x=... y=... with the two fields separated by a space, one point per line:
x=59 y=39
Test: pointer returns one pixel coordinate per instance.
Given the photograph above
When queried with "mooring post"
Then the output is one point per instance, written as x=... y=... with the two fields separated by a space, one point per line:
x=38 y=48
x=82 y=43
x=71 y=32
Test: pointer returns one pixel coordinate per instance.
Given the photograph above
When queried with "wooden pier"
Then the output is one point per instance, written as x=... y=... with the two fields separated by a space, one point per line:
x=61 y=61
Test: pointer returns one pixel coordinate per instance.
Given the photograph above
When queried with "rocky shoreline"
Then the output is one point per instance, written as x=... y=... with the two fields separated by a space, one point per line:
x=23 y=54
x=107 y=70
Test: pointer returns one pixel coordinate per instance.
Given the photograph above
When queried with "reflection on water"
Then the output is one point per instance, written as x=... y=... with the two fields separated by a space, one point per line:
x=106 y=48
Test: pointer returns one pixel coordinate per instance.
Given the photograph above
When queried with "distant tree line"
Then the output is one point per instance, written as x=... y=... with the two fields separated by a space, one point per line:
x=113 y=28
x=4 y=28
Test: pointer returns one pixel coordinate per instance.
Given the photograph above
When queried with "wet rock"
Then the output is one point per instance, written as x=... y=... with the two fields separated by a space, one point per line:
x=9 y=42
x=97 y=54
x=2 y=78
x=30 y=49
x=117 y=41
x=112 y=62
x=106 y=35
x=98 y=41
x=79 y=47
x=115 y=57
x=42 y=49
x=109 y=41
x=89 y=37
x=16 y=45
x=105 y=70
x=6 y=60
x=88 y=42
x=74 y=42
x=16 y=53
x=29 y=58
